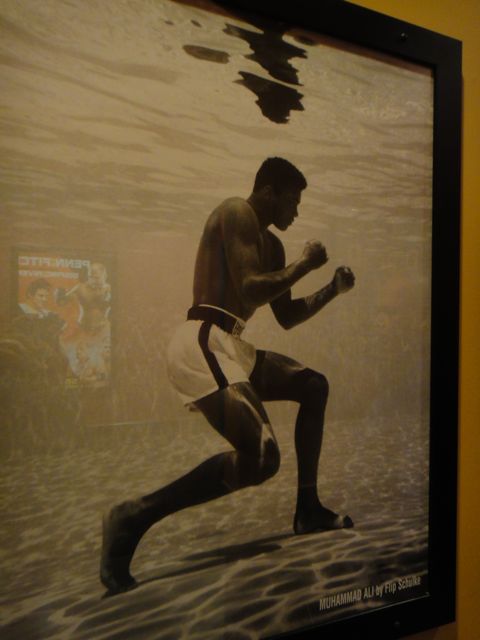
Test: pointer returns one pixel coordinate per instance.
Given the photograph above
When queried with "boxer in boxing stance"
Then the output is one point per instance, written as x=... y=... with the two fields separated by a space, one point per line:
x=240 y=266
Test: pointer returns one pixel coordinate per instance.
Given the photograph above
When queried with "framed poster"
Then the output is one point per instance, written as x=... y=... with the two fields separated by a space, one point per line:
x=64 y=301
x=142 y=118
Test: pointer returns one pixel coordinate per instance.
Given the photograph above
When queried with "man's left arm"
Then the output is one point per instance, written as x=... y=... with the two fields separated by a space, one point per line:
x=290 y=313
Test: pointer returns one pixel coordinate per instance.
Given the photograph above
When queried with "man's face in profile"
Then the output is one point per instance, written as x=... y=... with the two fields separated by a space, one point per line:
x=286 y=208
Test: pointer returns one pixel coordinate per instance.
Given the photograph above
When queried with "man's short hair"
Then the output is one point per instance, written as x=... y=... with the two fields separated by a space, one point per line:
x=36 y=285
x=280 y=174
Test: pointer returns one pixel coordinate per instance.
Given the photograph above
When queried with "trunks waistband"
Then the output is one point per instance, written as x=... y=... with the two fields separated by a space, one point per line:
x=222 y=319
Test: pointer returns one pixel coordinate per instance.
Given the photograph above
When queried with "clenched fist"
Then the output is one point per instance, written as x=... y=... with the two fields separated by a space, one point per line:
x=315 y=254
x=343 y=280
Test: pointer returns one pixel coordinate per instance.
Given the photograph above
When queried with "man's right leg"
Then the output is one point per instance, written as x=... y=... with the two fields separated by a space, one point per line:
x=277 y=377
x=238 y=415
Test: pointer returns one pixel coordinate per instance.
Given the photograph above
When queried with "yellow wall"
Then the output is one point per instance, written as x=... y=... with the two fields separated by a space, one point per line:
x=461 y=19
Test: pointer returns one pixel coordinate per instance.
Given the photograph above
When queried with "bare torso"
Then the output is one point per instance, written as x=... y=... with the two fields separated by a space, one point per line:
x=216 y=278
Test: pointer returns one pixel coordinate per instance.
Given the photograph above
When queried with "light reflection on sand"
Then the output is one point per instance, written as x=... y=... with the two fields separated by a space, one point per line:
x=230 y=566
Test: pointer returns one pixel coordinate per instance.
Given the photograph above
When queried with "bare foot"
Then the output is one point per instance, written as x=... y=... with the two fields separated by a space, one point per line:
x=120 y=540
x=320 y=519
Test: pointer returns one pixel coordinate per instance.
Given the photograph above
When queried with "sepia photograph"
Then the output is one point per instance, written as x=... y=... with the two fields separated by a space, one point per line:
x=216 y=323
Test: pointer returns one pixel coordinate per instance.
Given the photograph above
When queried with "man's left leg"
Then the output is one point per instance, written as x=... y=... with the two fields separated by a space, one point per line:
x=277 y=377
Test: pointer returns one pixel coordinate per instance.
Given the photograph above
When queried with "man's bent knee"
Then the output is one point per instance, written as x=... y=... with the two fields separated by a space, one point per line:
x=311 y=385
x=317 y=385
x=270 y=459
x=266 y=465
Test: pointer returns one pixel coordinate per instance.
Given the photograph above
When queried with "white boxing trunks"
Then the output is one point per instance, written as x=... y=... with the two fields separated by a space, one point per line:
x=206 y=353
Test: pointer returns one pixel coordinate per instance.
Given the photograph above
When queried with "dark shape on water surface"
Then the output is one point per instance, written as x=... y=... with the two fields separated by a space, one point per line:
x=270 y=51
x=274 y=99
x=273 y=54
x=204 y=53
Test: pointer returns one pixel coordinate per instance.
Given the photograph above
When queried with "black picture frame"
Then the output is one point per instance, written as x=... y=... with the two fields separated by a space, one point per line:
x=353 y=24
x=379 y=36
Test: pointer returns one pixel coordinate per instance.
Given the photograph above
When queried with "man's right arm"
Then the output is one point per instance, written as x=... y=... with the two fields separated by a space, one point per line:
x=242 y=236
